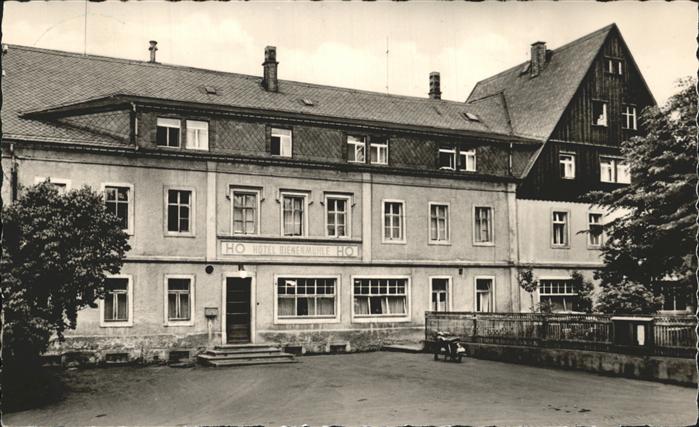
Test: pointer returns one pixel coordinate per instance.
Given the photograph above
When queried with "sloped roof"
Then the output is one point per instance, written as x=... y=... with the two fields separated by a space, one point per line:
x=535 y=104
x=37 y=79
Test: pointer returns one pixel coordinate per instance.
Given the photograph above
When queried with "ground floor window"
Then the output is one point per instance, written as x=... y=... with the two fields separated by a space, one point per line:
x=484 y=294
x=380 y=297
x=676 y=297
x=306 y=297
x=116 y=304
x=440 y=294
x=179 y=298
x=559 y=294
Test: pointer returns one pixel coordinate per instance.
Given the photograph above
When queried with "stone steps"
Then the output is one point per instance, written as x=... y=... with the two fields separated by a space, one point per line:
x=244 y=354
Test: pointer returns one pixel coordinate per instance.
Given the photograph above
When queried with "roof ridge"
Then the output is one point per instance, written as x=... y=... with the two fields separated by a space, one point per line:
x=219 y=72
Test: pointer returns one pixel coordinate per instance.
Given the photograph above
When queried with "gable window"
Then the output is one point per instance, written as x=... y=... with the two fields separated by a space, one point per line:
x=245 y=211
x=447 y=158
x=439 y=223
x=116 y=306
x=356 y=146
x=467 y=160
x=167 y=132
x=378 y=151
x=484 y=294
x=306 y=297
x=614 y=170
x=280 y=144
x=629 y=117
x=380 y=297
x=560 y=294
x=337 y=216
x=567 y=164
x=179 y=211
x=393 y=221
x=197 y=135
x=179 y=298
x=560 y=228
x=595 y=229
x=293 y=214
x=614 y=66
x=599 y=113
x=440 y=294
x=483 y=224
x=117 y=199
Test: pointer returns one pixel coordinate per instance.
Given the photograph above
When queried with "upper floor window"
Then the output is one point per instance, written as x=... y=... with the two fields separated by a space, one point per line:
x=245 y=211
x=167 y=132
x=567 y=164
x=560 y=228
x=356 y=148
x=483 y=225
x=599 y=113
x=393 y=221
x=614 y=170
x=467 y=160
x=179 y=211
x=595 y=229
x=281 y=142
x=197 y=135
x=337 y=216
x=293 y=214
x=614 y=66
x=60 y=184
x=447 y=158
x=378 y=151
x=439 y=223
x=117 y=199
x=629 y=117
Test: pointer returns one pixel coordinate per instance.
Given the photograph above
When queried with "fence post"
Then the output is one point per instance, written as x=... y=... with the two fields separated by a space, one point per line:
x=544 y=326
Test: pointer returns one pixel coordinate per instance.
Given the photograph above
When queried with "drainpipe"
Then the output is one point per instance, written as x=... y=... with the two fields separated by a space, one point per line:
x=13 y=173
x=133 y=124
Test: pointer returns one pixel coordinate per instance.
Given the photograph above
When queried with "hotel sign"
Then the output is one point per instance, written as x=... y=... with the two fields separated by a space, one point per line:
x=289 y=249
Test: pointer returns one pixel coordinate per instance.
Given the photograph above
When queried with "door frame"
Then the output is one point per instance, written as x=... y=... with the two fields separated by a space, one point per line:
x=253 y=306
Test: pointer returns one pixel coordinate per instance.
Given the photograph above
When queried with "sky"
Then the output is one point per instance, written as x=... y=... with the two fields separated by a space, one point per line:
x=344 y=44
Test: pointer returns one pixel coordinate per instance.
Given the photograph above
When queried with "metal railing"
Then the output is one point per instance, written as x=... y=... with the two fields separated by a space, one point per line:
x=672 y=336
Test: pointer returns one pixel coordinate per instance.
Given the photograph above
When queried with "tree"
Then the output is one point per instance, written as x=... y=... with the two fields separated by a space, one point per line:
x=56 y=251
x=525 y=278
x=655 y=235
x=584 y=289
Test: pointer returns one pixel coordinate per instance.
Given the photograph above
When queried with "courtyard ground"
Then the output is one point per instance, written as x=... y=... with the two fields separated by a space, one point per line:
x=362 y=389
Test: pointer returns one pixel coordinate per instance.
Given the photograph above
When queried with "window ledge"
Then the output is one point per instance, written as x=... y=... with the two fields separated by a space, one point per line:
x=306 y=321
x=175 y=323
x=191 y=235
x=560 y=246
x=380 y=319
x=491 y=244
x=393 y=242
x=439 y=243
x=116 y=324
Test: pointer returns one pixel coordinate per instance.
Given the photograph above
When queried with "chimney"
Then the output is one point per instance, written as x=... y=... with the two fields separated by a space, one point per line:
x=435 y=90
x=269 y=78
x=152 y=49
x=538 y=60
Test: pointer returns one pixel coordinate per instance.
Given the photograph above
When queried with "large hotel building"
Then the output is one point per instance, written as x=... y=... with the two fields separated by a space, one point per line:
x=263 y=210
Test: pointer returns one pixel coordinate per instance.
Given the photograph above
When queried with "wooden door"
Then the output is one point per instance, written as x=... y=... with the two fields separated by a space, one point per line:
x=238 y=310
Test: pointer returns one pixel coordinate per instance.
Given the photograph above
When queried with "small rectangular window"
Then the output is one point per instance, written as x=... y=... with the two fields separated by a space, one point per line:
x=439 y=223
x=595 y=229
x=614 y=170
x=117 y=199
x=179 y=211
x=197 y=135
x=599 y=113
x=245 y=211
x=116 y=300
x=393 y=221
x=337 y=215
x=483 y=224
x=440 y=294
x=447 y=158
x=167 y=132
x=356 y=146
x=60 y=184
x=281 y=143
x=614 y=66
x=560 y=228
x=467 y=160
x=567 y=164
x=484 y=295
x=293 y=215
x=378 y=151
x=179 y=299
x=629 y=117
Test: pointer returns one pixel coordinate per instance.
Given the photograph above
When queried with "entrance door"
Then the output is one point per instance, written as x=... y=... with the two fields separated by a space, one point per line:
x=238 y=310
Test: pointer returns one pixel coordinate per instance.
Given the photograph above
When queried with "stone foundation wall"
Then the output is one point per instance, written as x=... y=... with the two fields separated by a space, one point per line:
x=333 y=341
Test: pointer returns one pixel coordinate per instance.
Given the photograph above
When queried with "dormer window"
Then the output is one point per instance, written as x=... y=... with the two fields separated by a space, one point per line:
x=167 y=132
x=281 y=142
x=356 y=149
x=197 y=135
x=467 y=160
x=614 y=66
x=599 y=113
x=447 y=158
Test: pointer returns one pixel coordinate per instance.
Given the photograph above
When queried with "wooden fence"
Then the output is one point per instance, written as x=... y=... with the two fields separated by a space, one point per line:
x=672 y=336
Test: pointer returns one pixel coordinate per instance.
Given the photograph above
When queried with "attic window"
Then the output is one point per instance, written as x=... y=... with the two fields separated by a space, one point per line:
x=308 y=102
x=471 y=117
x=614 y=66
x=525 y=69
x=210 y=90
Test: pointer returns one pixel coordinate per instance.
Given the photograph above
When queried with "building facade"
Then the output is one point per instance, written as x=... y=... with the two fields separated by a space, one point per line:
x=322 y=218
